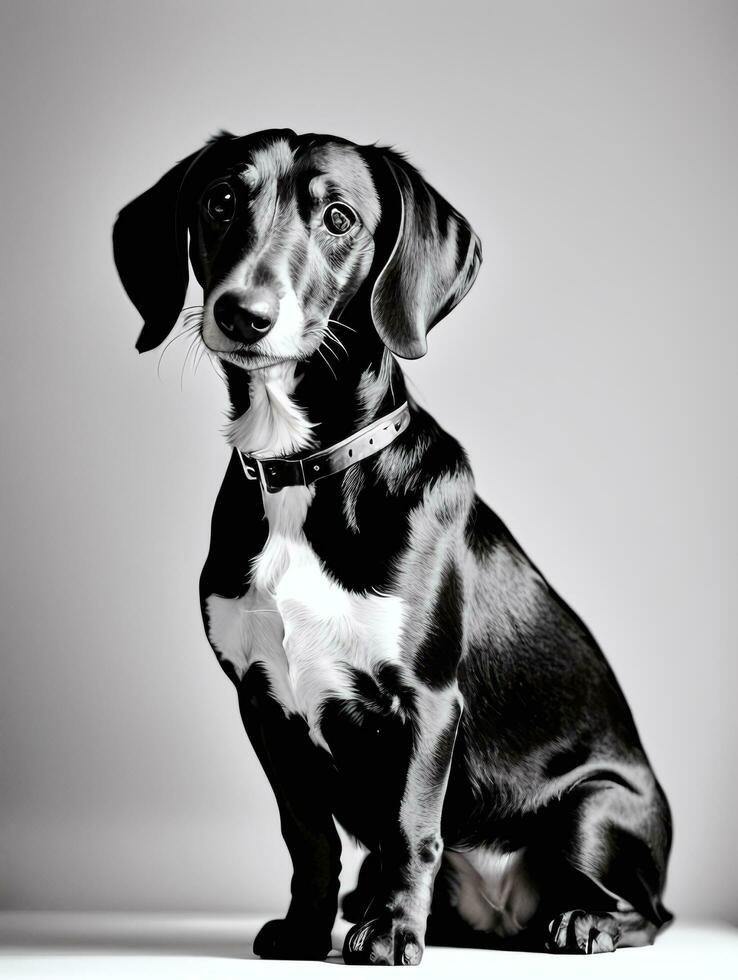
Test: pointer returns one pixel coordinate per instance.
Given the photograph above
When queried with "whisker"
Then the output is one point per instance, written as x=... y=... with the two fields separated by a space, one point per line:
x=187 y=357
x=190 y=323
x=330 y=349
x=344 y=325
x=184 y=364
x=199 y=356
x=215 y=365
x=334 y=337
x=327 y=363
x=184 y=332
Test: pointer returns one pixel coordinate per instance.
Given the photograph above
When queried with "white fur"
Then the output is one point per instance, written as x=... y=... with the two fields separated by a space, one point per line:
x=274 y=425
x=299 y=622
x=251 y=177
x=372 y=388
x=295 y=618
x=492 y=890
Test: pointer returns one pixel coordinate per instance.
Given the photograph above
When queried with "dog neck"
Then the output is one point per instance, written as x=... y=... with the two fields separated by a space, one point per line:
x=274 y=424
x=294 y=407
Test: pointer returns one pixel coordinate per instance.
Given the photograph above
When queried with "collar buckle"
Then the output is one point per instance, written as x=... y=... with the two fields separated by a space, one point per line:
x=274 y=474
x=262 y=475
x=253 y=469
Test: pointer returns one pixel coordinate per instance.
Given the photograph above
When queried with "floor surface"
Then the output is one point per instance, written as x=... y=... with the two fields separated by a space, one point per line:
x=47 y=946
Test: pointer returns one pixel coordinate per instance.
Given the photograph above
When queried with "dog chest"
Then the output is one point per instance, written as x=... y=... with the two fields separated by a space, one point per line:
x=310 y=634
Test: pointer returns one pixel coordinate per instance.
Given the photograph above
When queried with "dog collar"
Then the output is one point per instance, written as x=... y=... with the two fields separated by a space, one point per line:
x=275 y=473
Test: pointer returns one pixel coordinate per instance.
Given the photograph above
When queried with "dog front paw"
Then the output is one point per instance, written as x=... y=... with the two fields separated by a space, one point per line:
x=578 y=931
x=384 y=941
x=285 y=939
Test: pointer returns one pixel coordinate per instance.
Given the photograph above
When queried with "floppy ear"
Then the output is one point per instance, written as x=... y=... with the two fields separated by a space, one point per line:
x=150 y=250
x=433 y=262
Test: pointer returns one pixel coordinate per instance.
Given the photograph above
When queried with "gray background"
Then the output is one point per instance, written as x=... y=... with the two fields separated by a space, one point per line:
x=590 y=374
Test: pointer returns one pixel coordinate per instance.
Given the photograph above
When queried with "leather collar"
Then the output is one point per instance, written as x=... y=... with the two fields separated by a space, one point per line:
x=276 y=472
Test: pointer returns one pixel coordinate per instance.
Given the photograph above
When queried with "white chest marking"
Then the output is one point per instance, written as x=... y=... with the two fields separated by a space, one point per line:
x=306 y=630
x=296 y=620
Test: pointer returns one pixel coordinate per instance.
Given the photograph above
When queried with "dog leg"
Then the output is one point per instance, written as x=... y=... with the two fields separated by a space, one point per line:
x=356 y=903
x=294 y=767
x=393 y=929
x=601 y=869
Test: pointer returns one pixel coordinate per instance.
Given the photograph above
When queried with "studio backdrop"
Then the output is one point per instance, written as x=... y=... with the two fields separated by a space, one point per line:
x=589 y=374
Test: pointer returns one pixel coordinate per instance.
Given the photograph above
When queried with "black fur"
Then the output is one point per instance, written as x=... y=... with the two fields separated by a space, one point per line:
x=545 y=755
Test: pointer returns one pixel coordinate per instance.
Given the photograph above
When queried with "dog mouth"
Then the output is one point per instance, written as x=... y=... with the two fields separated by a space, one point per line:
x=316 y=340
x=249 y=356
x=251 y=359
x=255 y=356
x=239 y=352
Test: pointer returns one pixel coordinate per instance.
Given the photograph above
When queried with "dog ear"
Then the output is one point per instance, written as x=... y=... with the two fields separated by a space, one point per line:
x=150 y=251
x=434 y=259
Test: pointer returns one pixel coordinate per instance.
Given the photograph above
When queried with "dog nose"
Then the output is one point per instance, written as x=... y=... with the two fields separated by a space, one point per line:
x=246 y=315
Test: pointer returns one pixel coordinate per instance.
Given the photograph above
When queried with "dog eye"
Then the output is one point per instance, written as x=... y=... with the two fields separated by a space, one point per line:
x=220 y=202
x=339 y=218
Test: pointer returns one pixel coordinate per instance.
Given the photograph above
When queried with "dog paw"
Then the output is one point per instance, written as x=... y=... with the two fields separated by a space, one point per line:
x=578 y=931
x=383 y=942
x=282 y=939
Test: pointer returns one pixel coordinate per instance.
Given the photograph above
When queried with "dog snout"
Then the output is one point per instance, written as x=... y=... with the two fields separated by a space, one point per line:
x=246 y=315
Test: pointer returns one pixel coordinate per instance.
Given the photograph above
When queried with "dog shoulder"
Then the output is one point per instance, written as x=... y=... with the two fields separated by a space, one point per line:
x=238 y=533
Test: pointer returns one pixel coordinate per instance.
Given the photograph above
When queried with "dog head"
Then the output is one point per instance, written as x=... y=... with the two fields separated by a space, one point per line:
x=288 y=233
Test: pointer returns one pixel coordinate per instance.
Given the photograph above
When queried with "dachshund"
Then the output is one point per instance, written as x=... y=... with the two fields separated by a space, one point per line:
x=401 y=666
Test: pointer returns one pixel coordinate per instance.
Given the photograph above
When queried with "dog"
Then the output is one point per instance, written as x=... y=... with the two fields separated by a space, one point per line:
x=400 y=664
